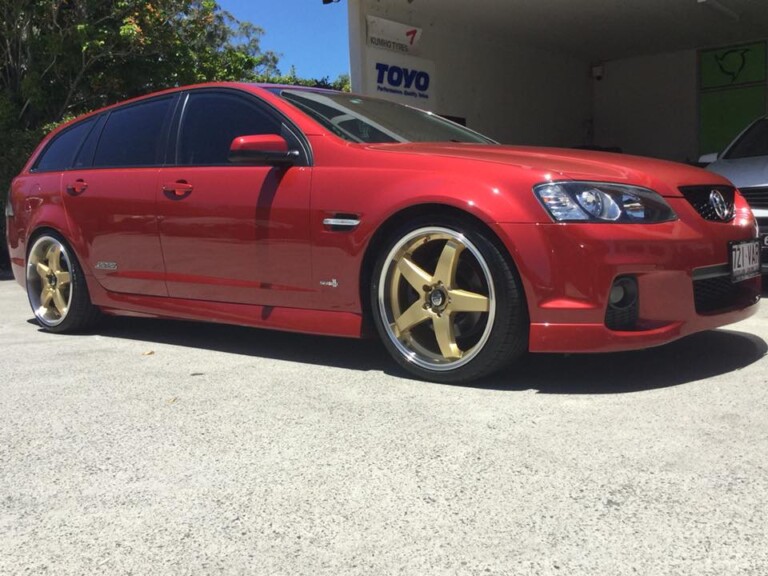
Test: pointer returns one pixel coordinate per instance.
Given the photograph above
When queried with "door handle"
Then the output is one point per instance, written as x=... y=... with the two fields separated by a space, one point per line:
x=177 y=190
x=77 y=188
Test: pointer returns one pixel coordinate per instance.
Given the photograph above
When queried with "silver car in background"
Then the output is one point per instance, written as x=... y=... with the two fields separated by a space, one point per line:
x=745 y=163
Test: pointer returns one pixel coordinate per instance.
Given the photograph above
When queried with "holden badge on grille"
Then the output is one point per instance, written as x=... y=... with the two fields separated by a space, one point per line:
x=719 y=205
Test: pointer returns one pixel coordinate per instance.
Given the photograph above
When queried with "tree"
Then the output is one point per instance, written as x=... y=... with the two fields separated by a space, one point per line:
x=61 y=57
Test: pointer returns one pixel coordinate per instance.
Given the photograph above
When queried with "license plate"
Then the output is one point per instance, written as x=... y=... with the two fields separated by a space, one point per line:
x=764 y=240
x=744 y=259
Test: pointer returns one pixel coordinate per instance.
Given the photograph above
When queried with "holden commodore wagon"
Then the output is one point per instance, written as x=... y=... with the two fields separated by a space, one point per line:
x=331 y=213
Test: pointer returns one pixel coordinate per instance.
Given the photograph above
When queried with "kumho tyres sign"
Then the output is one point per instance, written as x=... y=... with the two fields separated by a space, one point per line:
x=389 y=35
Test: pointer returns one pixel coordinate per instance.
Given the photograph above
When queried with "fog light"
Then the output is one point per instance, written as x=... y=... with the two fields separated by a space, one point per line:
x=623 y=292
x=617 y=294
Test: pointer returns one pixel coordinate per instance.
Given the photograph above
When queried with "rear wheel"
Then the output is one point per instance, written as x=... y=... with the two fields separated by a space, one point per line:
x=56 y=287
x=447 y=303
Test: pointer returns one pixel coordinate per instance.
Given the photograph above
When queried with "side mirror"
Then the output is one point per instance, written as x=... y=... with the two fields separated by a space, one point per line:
x=708 y=158
x=269 y=149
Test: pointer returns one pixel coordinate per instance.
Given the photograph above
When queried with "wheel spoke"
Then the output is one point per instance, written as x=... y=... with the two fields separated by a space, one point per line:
x=42 y=270
x=446 y=337
x=414 y=274
x=448 y=263
x=63 y=278
x=60 y=302
x=415 y=315
x=463 y=301
x=45 y=297
x=54 y=258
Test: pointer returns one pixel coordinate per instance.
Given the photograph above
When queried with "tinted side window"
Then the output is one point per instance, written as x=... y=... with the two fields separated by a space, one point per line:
x=212 y=120
x=132 y=135
x=88 y=149
x=61 y=151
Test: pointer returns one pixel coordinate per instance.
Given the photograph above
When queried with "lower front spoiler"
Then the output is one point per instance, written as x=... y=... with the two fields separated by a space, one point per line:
x=564 y=338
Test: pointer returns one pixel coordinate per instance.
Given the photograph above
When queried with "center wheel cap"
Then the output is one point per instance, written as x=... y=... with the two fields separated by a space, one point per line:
x=437 y=298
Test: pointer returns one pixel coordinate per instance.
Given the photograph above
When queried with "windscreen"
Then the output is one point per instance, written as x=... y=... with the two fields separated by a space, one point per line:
x=369 y=120
x=754 y=142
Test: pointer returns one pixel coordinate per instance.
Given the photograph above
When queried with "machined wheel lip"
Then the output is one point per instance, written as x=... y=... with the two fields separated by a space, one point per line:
x=384 y=288
x=35 y=282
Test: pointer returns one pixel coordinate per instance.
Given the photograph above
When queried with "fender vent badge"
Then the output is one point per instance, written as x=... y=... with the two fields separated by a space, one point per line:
x=341 y=222
x=106 y=265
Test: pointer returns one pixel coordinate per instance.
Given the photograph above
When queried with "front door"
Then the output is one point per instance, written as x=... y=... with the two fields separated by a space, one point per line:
x=232 y=233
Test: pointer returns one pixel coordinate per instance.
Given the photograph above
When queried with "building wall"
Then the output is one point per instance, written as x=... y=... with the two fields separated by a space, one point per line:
x=515 y=94
x=648 y=106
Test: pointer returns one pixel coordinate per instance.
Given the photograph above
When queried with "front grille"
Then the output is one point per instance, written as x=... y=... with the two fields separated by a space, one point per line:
x=699 y=198
x=756 y=197
x=719 y=294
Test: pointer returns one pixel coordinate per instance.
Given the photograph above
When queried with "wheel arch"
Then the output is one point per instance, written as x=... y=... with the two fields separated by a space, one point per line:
x=55 y=218
x=46 y=227
x=394 y=221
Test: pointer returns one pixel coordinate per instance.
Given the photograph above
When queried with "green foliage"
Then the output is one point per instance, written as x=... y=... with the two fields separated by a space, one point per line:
x=341 y=83
x=67 y=56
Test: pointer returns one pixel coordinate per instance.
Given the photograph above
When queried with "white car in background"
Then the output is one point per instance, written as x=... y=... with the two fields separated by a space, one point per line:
x=745 y=163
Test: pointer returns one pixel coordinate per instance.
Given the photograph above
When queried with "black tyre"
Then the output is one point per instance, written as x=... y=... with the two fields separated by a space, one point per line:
x=447 y=304
x=56 y=286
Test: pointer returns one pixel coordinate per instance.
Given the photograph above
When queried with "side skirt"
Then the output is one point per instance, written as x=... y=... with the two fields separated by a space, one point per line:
x=321 y=322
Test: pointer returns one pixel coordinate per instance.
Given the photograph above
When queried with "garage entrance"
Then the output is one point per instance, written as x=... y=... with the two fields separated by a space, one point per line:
x=643 y=77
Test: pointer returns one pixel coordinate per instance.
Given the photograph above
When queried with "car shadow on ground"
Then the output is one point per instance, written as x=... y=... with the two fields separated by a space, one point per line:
x=320 y=350
x=693 y=358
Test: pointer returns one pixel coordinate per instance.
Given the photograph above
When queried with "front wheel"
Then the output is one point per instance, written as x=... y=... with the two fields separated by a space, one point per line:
x=447 y=304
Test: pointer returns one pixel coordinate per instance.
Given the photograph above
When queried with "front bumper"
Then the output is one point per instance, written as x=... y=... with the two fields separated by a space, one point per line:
x=681 y=271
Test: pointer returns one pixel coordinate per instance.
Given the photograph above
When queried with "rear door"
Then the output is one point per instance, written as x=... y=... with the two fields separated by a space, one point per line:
x=233 y=233
x=111 y=196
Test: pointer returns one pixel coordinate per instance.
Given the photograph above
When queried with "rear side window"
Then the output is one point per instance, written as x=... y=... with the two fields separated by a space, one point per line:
x=212 y=120
x=88 y=149
x=132 y=135
x=60 y=153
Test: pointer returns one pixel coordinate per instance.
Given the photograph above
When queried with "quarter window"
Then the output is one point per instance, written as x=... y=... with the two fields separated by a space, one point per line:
x=212 y=120
x=132 y=135
x=61 y=151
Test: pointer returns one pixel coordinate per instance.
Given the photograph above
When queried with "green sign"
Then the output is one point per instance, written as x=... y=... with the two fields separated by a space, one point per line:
x=732 y=66
x=725 y=113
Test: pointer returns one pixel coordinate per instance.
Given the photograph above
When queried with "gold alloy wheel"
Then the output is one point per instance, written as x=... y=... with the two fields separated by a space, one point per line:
x=49 y=280
x=436 y=298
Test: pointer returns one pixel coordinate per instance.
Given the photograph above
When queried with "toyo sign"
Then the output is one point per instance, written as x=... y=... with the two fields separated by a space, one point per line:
x=402 y=78
x=396 y=77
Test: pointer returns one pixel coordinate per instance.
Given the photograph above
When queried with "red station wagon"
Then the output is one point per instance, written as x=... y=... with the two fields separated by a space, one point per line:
x=331 y=213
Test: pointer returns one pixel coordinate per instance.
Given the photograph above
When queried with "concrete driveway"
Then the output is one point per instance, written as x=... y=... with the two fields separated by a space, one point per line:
x=159 y=447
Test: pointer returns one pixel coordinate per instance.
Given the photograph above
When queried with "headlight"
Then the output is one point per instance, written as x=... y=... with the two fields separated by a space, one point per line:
x=602 y=202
